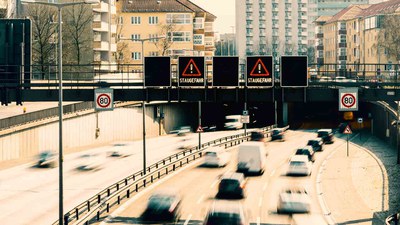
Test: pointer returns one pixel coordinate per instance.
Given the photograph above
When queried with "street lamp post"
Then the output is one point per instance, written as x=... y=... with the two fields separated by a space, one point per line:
x=59 y=6
x=144 y=102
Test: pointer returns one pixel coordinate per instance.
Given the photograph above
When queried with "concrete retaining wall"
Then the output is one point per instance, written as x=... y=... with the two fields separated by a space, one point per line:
x=122 y=124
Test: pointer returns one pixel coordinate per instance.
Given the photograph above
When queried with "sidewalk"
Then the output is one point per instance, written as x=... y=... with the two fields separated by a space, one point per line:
x=364 y=187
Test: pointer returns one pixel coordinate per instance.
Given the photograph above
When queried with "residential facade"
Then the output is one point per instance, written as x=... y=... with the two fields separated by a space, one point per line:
x=281 y=27
x=350 y=38
x=104 y=35
x=167 y=27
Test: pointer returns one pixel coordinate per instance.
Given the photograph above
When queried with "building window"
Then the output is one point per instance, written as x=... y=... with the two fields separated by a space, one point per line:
x=135 y=20
x=153 y=37
x=198 y=39
x=153 y=53
x=135 y=37
x=136 y=56
x=209 y=27
x=198 y=23
x=180 y=36
x=120 y=20
x=153 y=19
x=182 y=18
x=209 y=41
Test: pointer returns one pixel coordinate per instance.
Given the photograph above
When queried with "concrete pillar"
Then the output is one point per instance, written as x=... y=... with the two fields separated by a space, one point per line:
x=282 y=111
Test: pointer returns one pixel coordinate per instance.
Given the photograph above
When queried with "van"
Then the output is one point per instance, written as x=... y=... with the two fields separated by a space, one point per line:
x=233 y=122
x=251 y=157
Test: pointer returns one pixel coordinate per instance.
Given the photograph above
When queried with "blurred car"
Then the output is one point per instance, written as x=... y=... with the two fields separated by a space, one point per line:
x=216 y=156
x=307 y=219
x=316 y=144
x=90 y=162
x=308 y=151
x=47 y=159
x=163 y=205
x=326 y=135
x=299 y=165
x=184 y=130
x=209 y=128
x=278 y=134
x=187 y=143
x=232 y=185
x=257 y=135
x=119 y=150
x=294 y=200
x=225 y=213
x=325 y=79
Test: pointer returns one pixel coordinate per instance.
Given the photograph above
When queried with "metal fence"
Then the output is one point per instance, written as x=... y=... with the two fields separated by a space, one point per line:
x=25 y=118
x=92 y=209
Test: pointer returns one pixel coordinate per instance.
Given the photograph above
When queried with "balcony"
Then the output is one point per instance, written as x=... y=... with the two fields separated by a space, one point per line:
x=113 y=28
x=263 y=34
x=262 y=18
x=249 y=26
x=102 y=7
x=320 y=35
x=249 y=17
x=320 y=47
x=249 y=9
x=342 y=31
x=100 y=26
x=342 y=45
x=101 y=45
x=262 y=26
x=249 y=34
x=249 y=42
x=343 y=57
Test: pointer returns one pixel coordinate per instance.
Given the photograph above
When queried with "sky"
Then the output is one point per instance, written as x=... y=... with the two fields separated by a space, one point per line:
x=224 y=10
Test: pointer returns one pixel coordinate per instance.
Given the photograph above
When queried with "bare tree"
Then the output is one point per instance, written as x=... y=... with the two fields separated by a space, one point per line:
x=311 y=54
x=164 y=44
x=44 y=36
x=389 y=36
x=122 y=46
x=78 y=34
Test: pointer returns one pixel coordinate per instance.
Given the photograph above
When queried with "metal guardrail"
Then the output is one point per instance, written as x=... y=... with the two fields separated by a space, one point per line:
x=94 y=207
x=43 y=114
x=393 y=219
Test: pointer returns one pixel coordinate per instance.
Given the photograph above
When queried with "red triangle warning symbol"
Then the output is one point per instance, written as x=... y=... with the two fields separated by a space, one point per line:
x=191 y=70
x=259 y=69
x=199 y=129
x=347 y=130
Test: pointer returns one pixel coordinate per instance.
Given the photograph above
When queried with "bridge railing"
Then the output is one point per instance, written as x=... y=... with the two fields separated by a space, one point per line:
x=112 y=196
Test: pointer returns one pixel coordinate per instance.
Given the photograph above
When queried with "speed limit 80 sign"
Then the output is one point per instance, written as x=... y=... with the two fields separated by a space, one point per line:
x=348 y=99
x=103 y=98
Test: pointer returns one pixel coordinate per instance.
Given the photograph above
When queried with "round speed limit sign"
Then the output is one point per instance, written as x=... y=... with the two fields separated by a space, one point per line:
x=348 y=99
x=104 y=99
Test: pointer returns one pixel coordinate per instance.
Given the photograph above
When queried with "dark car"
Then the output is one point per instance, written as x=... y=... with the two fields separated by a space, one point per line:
x=326 y=135
x=232 y=185
x=47 y=159
x=308 y=151
x=316 y=144
x=278 y=134
x=257 y=136
x=163 y=205
x=225 y=213
x=209 y=128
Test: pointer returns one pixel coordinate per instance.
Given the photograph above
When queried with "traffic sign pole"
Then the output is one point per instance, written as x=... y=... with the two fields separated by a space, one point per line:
x=199 y=124
x=348 y=145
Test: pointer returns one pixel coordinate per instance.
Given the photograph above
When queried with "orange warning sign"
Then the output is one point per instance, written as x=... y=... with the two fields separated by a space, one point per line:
x=259 y=70
x=191 y=70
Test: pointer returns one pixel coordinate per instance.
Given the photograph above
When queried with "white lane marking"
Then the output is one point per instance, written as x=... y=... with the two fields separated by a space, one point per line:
x=265 y=186
x=258 y=220
x=188 y=219
x=260 y=202
x=273 y=172
x=200 y=199
x=214 y=183
x=143 y=192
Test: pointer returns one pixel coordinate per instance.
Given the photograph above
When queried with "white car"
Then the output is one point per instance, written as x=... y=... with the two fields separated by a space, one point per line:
x=294 y=200
x=300 y=165
x=216 y=156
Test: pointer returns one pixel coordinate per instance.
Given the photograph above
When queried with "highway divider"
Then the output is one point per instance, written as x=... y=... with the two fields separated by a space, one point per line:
x=101 y=204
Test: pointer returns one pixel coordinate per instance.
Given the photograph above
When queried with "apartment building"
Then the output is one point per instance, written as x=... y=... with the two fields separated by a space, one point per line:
x=104 y=35
x=282 y=27
x=350 y=38
x=164 y=27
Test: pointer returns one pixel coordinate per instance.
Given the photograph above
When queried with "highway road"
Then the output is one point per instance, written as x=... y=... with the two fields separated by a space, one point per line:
x=198 y=185
x=29 y=195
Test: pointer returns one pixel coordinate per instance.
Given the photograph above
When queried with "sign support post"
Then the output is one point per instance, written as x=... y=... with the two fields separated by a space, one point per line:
x=347 y=145
x=347 y=131
x=199 y=124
